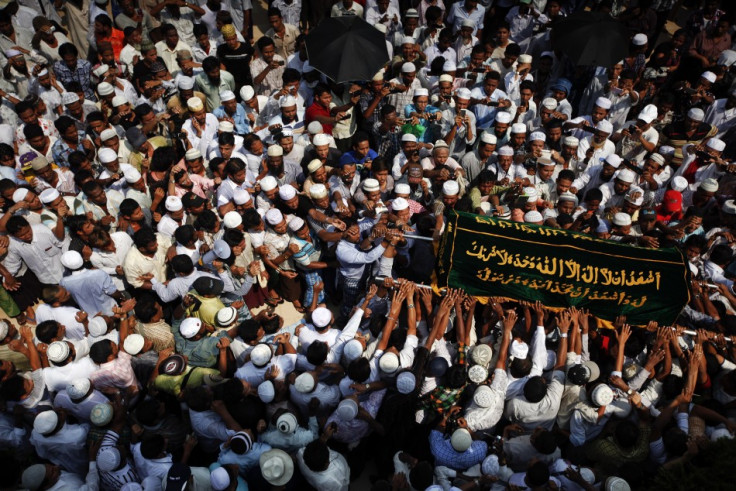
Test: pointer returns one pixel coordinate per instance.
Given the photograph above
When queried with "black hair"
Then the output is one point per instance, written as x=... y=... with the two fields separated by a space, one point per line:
x=317 y=353
x=100 y=351
x=46 y=331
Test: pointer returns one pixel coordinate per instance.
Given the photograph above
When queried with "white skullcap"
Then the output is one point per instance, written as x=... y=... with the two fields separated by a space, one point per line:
x=639 y=40
x=101 y=414
x=503 y=117
x=347 y=410
x=321 y=139
x=716 y=144
x=679 y=184
x=287 y=423
x=483 y=396
x=274 y=216
x=568 y=196
x=388 y=363
x=519 y=349
x=549 y=103
x=173 y=204
x=269 y=183
x=247 y=92
x=482 y=354
x=225 y=127
x=613 y=160
x=371 y=185
x=45 y=422
x=304 y=383
x=408 y=40
x=603 y=103
x=602 y=395
x=296 y=224
x=105 y=89
x=477 y=374
x=19 y=195
x=378 y=76
x=72 y=260
x=108 y=459
x=570 y=141
x=408 y=137
x=287 y=101
x=621 y=219
x=69 y=98
x=461 y=440
x=506 y=150
x=261 y=354
x=58 y=351
x=709 y=185
x=352 y=350
x=490 y=465
x=449 y=66
x=314 y=127
x=97 y=326
x=275 y=151
x=101 y=70
x=47 y=196
x=314 y=166
x=107 y=155
x=533 y=217
x=518 y=128
x=709 y=76
x=605 y=126
x=226 y=316
x=78 y=388
x=240 y=196
x=118 y=101
x=488 y=138
x=636 y=201
x=232 y=219
x=108 y=134
x=626 y=175
x=287 y=192
x=729 y=207
x=421 y=92
x=133 y=344
x=4 y=329
x=399 y=204
x=318 y=191
x=321 y=317
x=450 y=188
x=185 y=83
x=657 y=158
x=525 y=59
x=719 y=433
x=219 y=479
x=408 y=67
x=446 y=77
x=464 y=93
x=537 y=136
x=189 y=327
x=402 y=188
x=227 y=95
x=266 y=391
x=696 y=114
x=221 y=248
x=11 y=52
x=194 y=104
x=406 y=382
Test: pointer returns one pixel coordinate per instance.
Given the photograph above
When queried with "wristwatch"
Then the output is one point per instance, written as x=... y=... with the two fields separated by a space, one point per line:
x=630 y=392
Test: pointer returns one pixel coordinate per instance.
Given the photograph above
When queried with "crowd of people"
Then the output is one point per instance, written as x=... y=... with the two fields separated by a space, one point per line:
x=172 y=189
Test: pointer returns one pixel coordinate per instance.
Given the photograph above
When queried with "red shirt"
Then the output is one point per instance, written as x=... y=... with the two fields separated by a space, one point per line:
x=318 y=110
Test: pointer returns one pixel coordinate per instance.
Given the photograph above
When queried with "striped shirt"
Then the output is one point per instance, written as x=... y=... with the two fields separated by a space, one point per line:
x=114 y=480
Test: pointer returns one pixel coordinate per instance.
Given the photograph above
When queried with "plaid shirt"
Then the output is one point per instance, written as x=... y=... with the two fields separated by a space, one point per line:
x=388 y=144
x=60 y=150
x=82 y=73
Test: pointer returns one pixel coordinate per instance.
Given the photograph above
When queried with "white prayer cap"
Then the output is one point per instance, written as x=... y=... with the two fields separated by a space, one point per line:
x=221 y=248
x=490 y=465
x=408 y=67
x=550 y=103
x=621 y=219
x=19 y=195
x=570 y=141
x=613 y=160
x=45 y=422
x=133 y=344
x=388 y=362
x=78 y=388
x=107 y=155
x=709 y=185
x=101 y=70
x=503 y=117
x=69 y=98
x=232 y=219
x=657 y=158
x=287 y=101
x=47 y=196
x=296 y=224
x=461 y=440
x=716 y=144
x=402 y=188
x=321 y=317
x=709 y=76
x=226 y=316
x=729 y=207
x=450 y=188
x=219 y=479
x=347 y=410
x=679 y=183
x=227 y=95
x=194 y=104
x=537 y=136
x=406 y=382
x=421 y=92
x=378 y=76
x=105 y=89
x=696 y=114
x=101 y=414
x=518 y=128
x=604 y=126
x=568 y=196
x=636 y=201
x=468 y=23
x=727 y=58
x=525 y=59
x=353 y=350
x=97 y=326
x=108 y=459
x=261 y=354
x=488 y=138
x=185 y=83
x=481 y=354
x=639 y=40
x=399 y=204
x=58 y=351
x=477 y=374
x=483 y=396
x=287 y=192
x=519 y=349
x=247 y=92
x=445 y=77
x=174 y=204
x=506 y=150
x=275 y=151
x=408 y=137
x=274 y=216
x=108 y=134
x=225 y=127
x=118 y=101
x=321 y=139
x=72 y=260
x=318 y=191
x=464 y=93
x=304 y=383
x=626 y=175
x=408 y=40
x=190 y=327
x=269 y=183
x=603 y=103
x=602 y=395
x=533 y=217
x=266 y=391
x=371 y=185
x=449 y=66
x=314 y=128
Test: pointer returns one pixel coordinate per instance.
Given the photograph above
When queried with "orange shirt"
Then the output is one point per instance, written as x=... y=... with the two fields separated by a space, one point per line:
x=116 y=39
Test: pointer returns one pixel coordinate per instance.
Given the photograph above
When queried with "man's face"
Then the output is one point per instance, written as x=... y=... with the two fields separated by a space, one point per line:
x=288 y=113
x=214 y=75
x=408 y=78
x=347 y=174
x=287 y=143
x=600 y=136
x=526 y=95
x=276 y=165
x=441 y=155
x=325 y=98
x=362 y=148
x=320 y=175
x=28 y=116
x=554 y=134
x=421 y=102
x=199 y=116
x=230 y=106
x=98 y=196
x=150 y=55
x=71 y=134
x=490 y=85
x=620 y=187
x=6 y=28
x=449 y=201
x=566 y=207
x=238 y=177
x=559 y=95
x=485 y=150
x=25 y=234
x=477 y=59
x=100 y=29
x=276 y=22
x=563 y=185
x=518 y=139
x=352 y=234
x=226 y=150
x=509 y=60
x=504 y=161
x=598 y=114
x=322 y=151
x=268 y=52
x=608 y=170
x=70 y=60
x=545 y=171
x=37 y=142
x=232 y=42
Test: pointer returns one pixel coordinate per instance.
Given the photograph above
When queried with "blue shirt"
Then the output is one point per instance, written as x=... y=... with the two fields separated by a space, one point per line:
x=60 y=150
x=246 y=461
x=352 y=157
x=91 y=290
x=428 y=135
x=242 y=124
x=447 y=456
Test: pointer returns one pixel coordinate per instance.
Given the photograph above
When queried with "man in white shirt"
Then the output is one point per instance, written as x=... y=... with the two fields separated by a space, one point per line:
x=321 y=466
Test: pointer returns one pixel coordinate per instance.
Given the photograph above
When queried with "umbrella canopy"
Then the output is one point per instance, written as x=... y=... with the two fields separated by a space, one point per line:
x=591 y=39
x=347 y=49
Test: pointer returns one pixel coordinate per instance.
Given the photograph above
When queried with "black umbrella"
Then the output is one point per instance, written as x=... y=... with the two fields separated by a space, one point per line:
x=591 y=39
x=347 y=49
